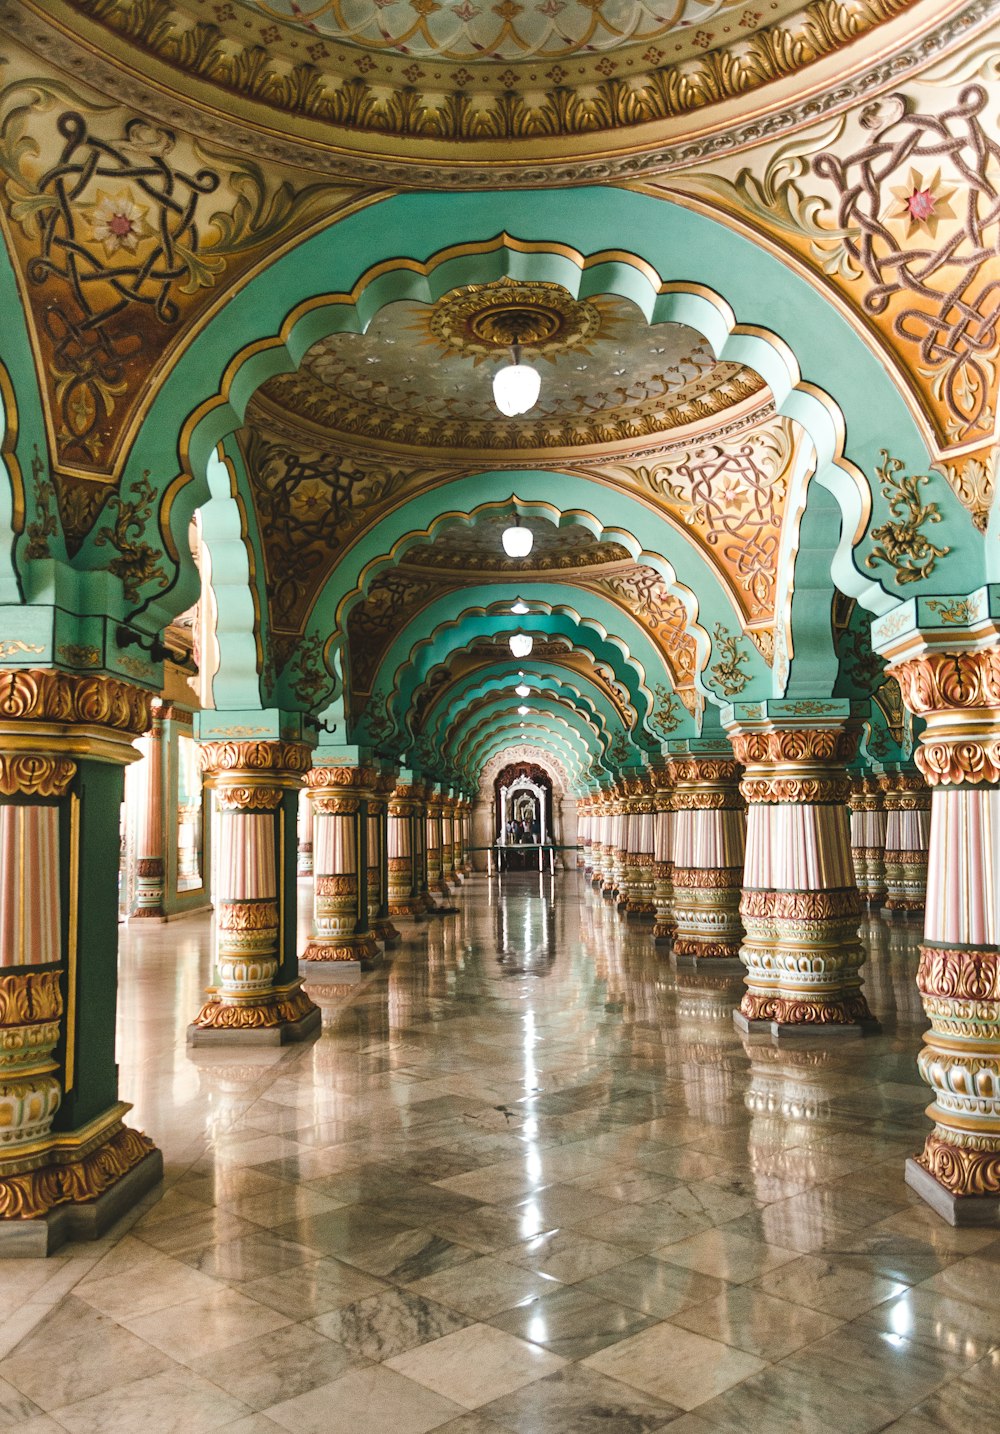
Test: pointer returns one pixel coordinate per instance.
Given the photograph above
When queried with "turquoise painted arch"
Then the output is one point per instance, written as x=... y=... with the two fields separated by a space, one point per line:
x=682 y=267
x=459 y=617
x=543 y=678
x=561 y=746
x=499 y=714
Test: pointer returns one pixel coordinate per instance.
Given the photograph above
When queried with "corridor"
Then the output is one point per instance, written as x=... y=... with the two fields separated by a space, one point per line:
x=529 y=1178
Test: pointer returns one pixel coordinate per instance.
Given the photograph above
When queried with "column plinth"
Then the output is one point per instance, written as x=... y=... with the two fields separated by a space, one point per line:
x=708 y=857
x=69 y=1166
x=800 y=904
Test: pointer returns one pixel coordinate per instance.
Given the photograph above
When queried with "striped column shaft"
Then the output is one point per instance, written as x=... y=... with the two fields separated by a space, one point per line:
x=800 y=903
x=708 y=845
x=907 y=801
x=378 y=896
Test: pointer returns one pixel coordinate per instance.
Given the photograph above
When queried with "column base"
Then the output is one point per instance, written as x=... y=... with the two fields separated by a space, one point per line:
x=958 y=1210
x=30 y=1239
x=785 y=1030
x=349 y=948
x=288 y=1015
x=284 y=1034
x=150 y=918
x=386 y=933
x=687 y=947
x=663 y=931
x=82 y=1183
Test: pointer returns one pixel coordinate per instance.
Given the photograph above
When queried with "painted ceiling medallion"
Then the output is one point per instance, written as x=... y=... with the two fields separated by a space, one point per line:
x=482 y=319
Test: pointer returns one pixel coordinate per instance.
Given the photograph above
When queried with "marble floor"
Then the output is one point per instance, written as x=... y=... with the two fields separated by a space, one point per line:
x=530 y=1178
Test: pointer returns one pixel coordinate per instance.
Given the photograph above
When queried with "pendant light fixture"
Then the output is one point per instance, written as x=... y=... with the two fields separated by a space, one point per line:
x=516 y=386
x=517 y=541
x=520 y=644
x=520 y=608
x=523 y=690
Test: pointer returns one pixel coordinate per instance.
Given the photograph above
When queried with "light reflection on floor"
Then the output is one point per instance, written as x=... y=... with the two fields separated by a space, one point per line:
x=529 y=1178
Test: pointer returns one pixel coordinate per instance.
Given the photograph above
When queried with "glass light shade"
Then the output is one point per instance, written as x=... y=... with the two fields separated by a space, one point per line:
x=517 y=544
x=521 y=644
x=516 y=387
x=520 y=608
x=523 y=690
x=522 y=711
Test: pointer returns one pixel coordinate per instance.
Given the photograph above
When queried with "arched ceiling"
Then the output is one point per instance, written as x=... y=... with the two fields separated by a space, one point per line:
x=438 y=88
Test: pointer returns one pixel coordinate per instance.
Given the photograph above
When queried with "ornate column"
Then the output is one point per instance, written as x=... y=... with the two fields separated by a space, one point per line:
x=708 y=854
x=583 y=857
x=663 y=862
x=378 y=893
x=449 y=844
x=868 y=827
x=641 y=899
x=800 y=903
x=611 y=848
x=151 y=825
x=305 y=867
x=69 y=1166
x=403 y=808
x=432 y=828
x=341 y=930
x=907 y=801
x=258 y=996
x=599 y=837
x=945 y=654
x=626 y=873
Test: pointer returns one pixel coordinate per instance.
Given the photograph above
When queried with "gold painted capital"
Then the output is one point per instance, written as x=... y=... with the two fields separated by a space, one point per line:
x=27 y=998
x=35 y=774
x=246 y=760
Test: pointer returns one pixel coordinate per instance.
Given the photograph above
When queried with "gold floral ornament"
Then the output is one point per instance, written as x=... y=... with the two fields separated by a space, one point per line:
x=137 y=563
x=728 y=671
x=117 y=222
x=900 y=542
x=921 y=203
x=666 y=714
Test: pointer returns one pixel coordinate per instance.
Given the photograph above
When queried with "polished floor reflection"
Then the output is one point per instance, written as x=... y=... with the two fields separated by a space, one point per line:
x=529 y=1178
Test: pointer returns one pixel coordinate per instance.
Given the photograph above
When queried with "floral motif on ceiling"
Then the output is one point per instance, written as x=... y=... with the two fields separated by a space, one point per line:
x=895 y=208
x=644 y=594
x=308 y=504
x=623 y=381
x=283 y=59
x=732 y=495
x=124 y=232
x=393 y=598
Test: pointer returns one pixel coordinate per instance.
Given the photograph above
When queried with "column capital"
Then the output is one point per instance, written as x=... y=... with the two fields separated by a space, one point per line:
x=71 y=715
x=252 y=776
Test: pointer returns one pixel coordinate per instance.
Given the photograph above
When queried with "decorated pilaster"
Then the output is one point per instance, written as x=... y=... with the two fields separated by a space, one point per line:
x=868 y=835
x=378 y=876
x=258 y=996
x=611 y=850
x=69 y=1166
x=945 y=654
x=403 y=812
x=432 y=827
x=341 y=929
x=800 y=903
x=663 y=855
x=641 y=842
x=449 y=842
x=583 y=820
x=907 y=801
x=600 y=828
x=149 y=874
x=305 y=866
x=707 y=851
